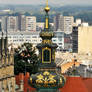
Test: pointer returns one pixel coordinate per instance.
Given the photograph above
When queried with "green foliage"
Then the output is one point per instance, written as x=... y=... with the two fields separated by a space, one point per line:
x=25 y=59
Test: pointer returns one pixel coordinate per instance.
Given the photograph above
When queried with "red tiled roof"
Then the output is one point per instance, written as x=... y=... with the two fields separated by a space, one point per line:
x=68 y=65
x=25 y=78
x=26 y=85
x=74 y=84
x=88 y=83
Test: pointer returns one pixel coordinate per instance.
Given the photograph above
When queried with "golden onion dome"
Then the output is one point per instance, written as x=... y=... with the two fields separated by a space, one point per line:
x=47 y=9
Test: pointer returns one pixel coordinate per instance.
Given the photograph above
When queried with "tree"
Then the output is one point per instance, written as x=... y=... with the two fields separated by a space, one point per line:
x=27 y=14
x=25 y=59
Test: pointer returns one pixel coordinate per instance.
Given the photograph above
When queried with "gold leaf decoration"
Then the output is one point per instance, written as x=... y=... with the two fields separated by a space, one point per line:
x=46 y=73
x=31 y=79
x=46 y=78
x=40 y=77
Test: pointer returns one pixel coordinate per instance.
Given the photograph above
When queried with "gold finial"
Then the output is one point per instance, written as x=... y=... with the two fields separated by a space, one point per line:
x=47 y=3
x=47 y=8
x=47 y=16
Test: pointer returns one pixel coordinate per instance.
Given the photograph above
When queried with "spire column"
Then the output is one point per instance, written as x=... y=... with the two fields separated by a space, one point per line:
x=47 y=9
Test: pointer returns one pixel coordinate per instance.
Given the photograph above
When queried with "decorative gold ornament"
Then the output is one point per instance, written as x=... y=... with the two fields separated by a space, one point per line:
x=46 y=73
x=51 y=76
x=40 y=77
x=60 y=81
x=39 y=81
x=47 y=41
x=46 y=78
x=48 y=34
x=47 y=8
x=30 y=79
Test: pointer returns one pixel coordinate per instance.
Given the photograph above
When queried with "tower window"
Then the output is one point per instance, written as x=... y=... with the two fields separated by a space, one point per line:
x=46 y=55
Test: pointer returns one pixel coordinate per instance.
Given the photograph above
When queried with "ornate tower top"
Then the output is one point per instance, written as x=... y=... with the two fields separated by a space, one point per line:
x=47 y=9
x=47 y=77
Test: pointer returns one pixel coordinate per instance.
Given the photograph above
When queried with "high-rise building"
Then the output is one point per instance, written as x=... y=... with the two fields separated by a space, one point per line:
x=63 y=23
x=30 y=23
x=0 y=26
x=85 y=39
x=19 y=22
x=68 y=42
x=4 y=23
x=81 y=38
x=75 y=39
x=23 y=23
x=57 y=20
x=12 y=23
x=68 y=23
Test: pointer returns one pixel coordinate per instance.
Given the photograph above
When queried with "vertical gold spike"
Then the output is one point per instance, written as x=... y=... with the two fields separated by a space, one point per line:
x=47 y=16
x=47 y=3
x=47 y=8
x=46 y=22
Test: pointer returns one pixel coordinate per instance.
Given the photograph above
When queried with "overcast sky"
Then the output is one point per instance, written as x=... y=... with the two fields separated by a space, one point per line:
x=57 y=2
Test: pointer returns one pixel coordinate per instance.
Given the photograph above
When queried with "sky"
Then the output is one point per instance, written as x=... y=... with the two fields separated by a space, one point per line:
x=53 y=2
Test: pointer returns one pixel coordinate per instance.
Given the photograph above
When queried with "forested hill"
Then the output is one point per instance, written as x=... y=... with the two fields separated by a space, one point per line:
x=83 y=12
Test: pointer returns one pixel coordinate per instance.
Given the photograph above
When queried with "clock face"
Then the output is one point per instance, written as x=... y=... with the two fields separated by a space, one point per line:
x=46 y=55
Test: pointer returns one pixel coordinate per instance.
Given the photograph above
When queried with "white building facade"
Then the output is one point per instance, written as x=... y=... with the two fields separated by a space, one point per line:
x=30 y=23
x=18 y=38
x=12 y=23
x=68 y=24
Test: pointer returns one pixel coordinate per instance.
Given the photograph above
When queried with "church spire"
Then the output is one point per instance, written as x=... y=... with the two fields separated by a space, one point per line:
x=47 y=3
x=47 y=9
x=47 y=78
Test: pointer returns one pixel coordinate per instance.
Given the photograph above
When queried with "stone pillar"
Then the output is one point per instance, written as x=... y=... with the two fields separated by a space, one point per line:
x=11 y=56
x=0 y=53
x=0 y=86
x=2 y=49
x=6 y=60
x=13 y=84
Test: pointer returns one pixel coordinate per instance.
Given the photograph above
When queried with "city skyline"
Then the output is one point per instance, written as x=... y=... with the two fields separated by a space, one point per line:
x=53 y=2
